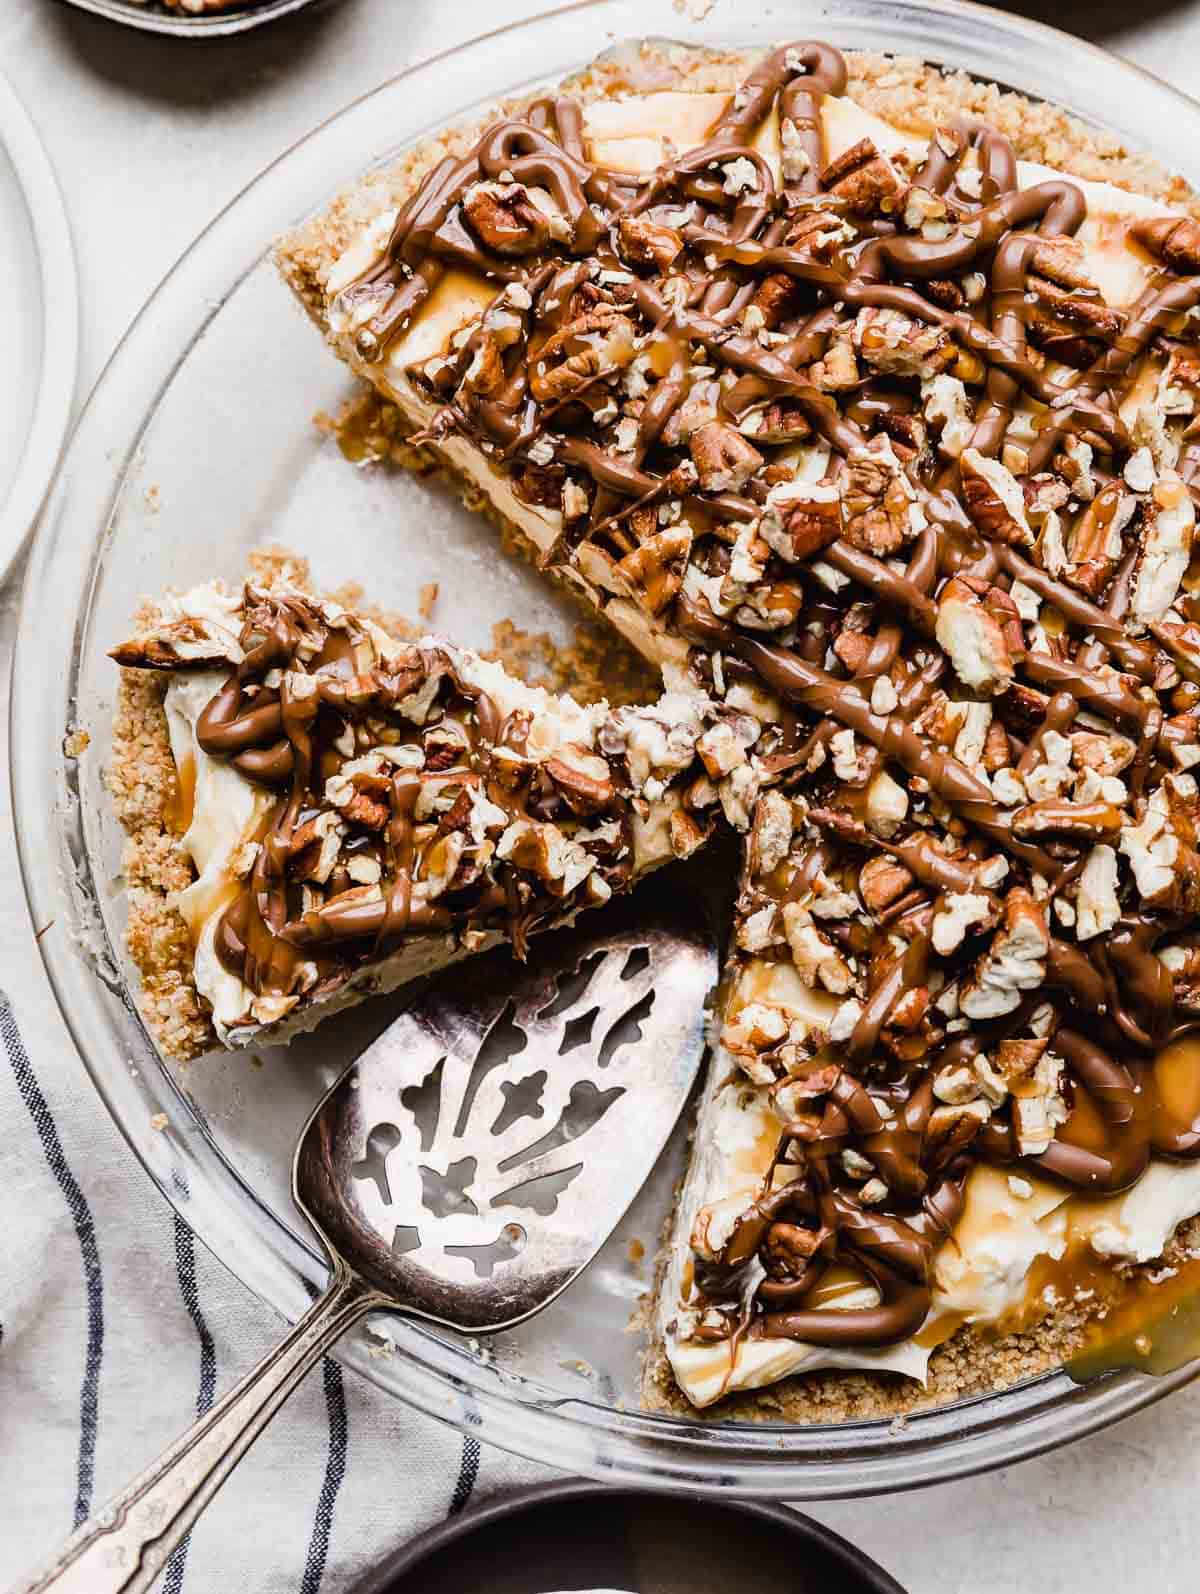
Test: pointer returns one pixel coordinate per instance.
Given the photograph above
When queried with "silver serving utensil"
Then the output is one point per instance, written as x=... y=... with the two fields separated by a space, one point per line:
x=464 y=1170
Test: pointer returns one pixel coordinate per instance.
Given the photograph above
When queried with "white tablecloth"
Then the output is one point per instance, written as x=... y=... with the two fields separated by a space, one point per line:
x=115 y=1326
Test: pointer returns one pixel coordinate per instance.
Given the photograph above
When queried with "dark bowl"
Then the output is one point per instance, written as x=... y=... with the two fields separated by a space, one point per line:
x=561 y=1536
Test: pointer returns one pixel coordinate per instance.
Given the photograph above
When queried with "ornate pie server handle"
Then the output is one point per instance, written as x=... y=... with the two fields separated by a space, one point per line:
x=123 y=1548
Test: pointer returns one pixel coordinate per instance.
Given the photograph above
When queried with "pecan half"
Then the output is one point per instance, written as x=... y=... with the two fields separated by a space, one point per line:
x=1175 y=240
x=504 y=218
x=862 y=178
x=1062 y=314
x=994 y=499
x=724 y=459
x=647 y=243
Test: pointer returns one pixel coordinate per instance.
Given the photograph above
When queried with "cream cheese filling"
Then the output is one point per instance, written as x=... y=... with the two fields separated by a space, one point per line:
x=983 y=1276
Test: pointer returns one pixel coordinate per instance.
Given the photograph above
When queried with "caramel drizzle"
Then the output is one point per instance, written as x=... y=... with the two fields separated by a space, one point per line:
x=1118 y=997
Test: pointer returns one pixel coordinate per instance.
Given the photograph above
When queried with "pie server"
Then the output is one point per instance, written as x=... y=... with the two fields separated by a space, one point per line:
x=464 y=1171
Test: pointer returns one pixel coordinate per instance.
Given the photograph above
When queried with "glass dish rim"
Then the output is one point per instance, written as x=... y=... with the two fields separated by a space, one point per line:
x=801 y=1462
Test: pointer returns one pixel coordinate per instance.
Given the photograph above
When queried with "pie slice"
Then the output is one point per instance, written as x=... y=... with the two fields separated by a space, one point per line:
x=358 y=811
x=866 y=399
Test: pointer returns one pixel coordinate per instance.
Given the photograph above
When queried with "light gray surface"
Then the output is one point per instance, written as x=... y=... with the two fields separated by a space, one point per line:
x=150 y=139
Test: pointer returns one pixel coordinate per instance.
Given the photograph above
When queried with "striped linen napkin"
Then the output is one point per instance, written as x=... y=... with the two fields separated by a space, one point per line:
x=117 y=1328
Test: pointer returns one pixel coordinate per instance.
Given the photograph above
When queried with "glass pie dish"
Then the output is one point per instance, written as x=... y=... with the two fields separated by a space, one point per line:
x=197 y=444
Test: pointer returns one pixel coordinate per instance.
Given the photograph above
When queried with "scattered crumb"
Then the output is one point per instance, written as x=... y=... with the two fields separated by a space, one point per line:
x=75 y=742
x=159 y=1121
x=427 y=598
x=584 y=1369
x=636 y=1251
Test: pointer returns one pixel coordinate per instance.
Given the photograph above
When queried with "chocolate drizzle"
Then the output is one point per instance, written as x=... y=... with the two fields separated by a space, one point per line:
x=405 y=801
x=930 y=611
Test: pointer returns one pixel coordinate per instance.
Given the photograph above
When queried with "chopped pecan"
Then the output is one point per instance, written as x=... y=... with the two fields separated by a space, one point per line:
x=536 y=484
x=853 y=642
x=1182 y=641
x=1096 y=542
x=815 y=958
x=994 y=499
x=782 y=422
x=801 y=519
x=882 y=881
x=837 y=370
x=975 y=625
x=1170 y=518
x=504 y=218
x=881 y=510
x=908 y=433
x=946 y=293
x=486 y=371
x=687 y=833
x=584 y=789
x=653 y=572
x=895 y=344
x=183 y=644
x=1015 y=961
x=777 y=298
x=787 y=1250
x=770 y=834
x=724 y=459
x=952 y=1128
x=1017 y=1059
x=862 y=178
x=367 y=811
x=1107 y=754
x=314 y=848
x=995 y=748
x=816 y=234
x=647 y=243
x=600 y=341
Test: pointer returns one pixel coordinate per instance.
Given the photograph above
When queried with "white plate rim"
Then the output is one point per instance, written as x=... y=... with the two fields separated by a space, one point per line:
x=216 y=25
x=60 y=323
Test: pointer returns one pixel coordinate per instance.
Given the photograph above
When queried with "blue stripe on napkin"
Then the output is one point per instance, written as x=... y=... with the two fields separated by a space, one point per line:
x=85 y=1230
